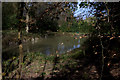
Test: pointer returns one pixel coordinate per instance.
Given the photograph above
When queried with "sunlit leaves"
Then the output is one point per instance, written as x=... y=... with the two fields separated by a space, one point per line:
x=111 y=38
x=96 y=52
x=3 y=74
x=108 y=64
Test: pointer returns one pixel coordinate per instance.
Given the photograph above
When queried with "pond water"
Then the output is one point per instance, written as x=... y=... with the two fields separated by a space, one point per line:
x=48 y=45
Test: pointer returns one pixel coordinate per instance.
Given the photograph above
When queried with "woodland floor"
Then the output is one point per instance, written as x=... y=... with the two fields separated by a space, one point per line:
x=70 y=66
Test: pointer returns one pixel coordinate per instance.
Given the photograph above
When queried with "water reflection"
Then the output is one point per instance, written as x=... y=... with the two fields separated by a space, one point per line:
x=47 y=51
x=49 y=45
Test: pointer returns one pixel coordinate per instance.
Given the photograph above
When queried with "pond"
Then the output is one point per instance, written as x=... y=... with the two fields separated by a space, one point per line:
x=48 y=45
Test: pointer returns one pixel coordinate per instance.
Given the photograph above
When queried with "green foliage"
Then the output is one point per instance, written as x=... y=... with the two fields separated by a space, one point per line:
x=74 y=27
x=47 y=24
x=10 y=22
x=10 y=65
x=77 y=26
x=63 y=27
x=9 y=19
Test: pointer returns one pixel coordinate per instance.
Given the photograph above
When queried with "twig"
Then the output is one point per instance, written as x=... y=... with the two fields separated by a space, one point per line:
x=101 y=43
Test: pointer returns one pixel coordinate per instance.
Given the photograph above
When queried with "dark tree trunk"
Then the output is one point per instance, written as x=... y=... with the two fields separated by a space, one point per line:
x=19 y=16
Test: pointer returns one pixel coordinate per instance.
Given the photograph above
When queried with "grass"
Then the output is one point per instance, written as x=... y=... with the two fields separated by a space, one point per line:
x=32 y=60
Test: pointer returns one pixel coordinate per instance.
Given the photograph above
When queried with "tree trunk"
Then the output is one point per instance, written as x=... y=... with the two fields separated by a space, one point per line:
x=27 y=24
x=20 y=14
x=108 y=15
x=27 y=18
x=108 y=12
x=0 y=41
x=0 y=58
